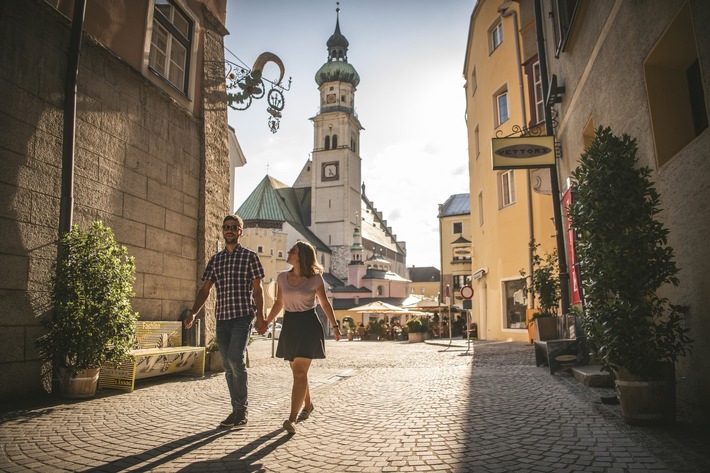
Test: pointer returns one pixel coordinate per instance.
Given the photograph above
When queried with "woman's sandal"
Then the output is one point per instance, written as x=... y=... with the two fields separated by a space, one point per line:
x=305 y=414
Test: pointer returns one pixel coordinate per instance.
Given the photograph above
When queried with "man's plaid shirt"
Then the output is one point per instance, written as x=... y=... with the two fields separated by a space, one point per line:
x=233 y=274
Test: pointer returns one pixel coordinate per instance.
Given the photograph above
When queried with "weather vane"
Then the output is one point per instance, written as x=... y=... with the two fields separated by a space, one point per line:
x=244 y=85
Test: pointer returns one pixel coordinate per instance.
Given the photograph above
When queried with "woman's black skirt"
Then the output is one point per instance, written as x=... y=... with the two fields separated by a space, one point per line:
x=301 y=336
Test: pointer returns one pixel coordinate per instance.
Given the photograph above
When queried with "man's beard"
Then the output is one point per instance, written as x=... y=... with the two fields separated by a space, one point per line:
x=230 y=240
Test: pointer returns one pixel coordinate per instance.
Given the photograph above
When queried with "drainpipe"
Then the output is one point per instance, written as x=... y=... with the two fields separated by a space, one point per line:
x=67 y=198
x=562 y=255
x=505 y=13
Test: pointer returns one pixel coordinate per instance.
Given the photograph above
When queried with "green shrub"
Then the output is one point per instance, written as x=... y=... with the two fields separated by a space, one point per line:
x=93 y=322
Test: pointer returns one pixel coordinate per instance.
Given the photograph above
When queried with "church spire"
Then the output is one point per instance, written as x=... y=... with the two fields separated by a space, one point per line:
x=337 y=43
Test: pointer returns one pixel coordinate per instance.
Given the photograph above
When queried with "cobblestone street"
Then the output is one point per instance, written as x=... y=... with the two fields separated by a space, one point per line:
x=379 y=407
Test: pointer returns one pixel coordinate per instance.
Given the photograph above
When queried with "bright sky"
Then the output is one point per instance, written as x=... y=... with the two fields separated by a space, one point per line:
x=409 y=55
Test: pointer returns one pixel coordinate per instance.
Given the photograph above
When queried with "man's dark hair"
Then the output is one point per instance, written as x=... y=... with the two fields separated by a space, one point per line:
x=234 y=217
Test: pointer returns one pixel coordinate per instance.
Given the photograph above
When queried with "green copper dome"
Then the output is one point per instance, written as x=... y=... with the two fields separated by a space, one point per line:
x=337 y=71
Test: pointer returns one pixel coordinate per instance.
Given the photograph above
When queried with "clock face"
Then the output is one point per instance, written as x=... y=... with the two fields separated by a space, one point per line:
x=330 y=171
x=330 y=98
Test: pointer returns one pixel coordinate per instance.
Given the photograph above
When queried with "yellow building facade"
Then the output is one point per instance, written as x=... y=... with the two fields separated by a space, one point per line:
x=509 y=208
x=455 y=246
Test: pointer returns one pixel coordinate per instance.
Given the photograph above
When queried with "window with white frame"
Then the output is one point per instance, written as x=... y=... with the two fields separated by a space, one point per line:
x=501 y=102
x=506 y=188
x=537 y=93
x=459 y=281
x=170 y=44
x=496 y=35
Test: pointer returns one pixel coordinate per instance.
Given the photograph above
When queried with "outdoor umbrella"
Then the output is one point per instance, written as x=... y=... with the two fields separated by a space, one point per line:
x=377 y=307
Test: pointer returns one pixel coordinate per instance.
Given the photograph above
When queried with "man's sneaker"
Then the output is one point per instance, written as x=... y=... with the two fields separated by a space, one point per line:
x=289 y=427
x=241 y=419
x=229 y=421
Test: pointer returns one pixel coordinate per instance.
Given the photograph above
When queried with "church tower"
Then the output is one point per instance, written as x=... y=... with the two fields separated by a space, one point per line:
x=336 y=164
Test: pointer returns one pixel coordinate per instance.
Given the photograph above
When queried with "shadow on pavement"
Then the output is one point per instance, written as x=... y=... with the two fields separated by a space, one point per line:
x=177 y=448
x=245 y=458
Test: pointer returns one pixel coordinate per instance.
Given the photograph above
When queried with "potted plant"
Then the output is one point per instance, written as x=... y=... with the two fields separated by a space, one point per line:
x=351 y=332
x=543 y=287
x=93 y=322
x=416 y=329
x=624 y=257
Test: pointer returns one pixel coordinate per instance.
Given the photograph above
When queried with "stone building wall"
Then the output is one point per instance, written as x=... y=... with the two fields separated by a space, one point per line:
x=141 y=166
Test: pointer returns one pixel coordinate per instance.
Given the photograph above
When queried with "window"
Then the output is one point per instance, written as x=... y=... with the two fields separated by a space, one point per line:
x=335 y=141
x=327 y=142
x=474 y=82
x=480 y=208
x=477 y=142
x=458 y=227
x=563 y=12
x=514 y=304
x=506 y=188
x=281 y=254
x=538 y=95
x=259 y=249
x=459 y=281
x=496 y=35
x=675 y=89
x=170 y=44
x=501 y=99
x=380 y=290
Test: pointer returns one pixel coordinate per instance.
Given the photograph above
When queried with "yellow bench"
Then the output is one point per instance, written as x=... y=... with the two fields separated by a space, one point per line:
x=158 y=351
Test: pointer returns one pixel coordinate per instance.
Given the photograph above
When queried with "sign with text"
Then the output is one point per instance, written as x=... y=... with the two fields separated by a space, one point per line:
x=523 y=152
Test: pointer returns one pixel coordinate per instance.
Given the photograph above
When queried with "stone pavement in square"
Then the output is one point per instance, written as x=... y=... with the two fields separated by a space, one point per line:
x=379 y=407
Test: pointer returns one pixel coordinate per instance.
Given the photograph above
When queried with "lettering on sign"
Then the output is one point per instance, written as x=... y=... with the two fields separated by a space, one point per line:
x=523 y=151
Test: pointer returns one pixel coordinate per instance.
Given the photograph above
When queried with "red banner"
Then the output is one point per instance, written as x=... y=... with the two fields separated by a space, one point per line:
x=571 y=257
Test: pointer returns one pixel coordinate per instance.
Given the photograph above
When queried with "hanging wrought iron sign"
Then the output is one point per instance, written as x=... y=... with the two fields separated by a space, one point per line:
x=244 y=85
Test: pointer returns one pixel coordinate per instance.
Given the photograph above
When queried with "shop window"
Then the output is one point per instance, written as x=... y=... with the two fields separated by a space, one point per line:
x=514 y=304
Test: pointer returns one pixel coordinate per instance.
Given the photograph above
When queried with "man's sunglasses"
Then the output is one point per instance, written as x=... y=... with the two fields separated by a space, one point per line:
x=231 y=227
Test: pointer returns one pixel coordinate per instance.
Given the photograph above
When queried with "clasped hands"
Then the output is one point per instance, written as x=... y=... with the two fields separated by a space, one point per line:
x=261 y=326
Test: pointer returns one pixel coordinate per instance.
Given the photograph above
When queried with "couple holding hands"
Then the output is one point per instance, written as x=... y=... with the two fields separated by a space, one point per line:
x=237 y=274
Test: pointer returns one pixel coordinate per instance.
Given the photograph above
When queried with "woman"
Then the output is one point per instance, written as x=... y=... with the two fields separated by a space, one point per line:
x=301 y=339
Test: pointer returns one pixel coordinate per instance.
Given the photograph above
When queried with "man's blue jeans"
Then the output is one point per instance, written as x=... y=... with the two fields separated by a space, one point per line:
x=232 y=339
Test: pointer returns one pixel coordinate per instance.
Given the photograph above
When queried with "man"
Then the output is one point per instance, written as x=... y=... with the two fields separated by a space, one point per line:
x=237 y=272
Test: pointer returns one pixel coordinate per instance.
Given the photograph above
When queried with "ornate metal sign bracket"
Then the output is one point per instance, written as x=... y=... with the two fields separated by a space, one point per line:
x=244 y=85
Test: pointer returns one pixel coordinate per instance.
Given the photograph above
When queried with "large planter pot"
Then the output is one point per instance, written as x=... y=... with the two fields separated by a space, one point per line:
x=81 y=386
x=530 y=325
x=416 y=337
x=647 y=400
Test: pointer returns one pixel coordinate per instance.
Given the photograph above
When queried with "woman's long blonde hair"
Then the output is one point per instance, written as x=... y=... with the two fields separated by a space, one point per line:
x=307 y=260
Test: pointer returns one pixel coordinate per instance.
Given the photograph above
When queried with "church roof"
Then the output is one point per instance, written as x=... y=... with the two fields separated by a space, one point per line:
x=274 y=201
x=350 y=288
x=457 y=204
x=374 y=227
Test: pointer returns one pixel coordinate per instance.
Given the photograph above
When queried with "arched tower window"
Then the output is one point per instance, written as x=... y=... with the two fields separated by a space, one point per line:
x=335 y=141
x=327 y=142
